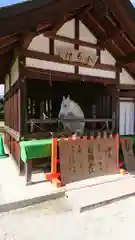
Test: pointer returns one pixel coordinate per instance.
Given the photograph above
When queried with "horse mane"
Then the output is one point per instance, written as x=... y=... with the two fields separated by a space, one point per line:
x=76 y=107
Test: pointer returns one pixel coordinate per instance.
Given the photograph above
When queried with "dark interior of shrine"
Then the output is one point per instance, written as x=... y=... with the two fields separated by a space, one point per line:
x=45 y=97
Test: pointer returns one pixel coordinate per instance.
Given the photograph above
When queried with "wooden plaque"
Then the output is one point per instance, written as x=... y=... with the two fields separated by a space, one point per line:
x=111 y=155
x=73 y=155
x=82 y=158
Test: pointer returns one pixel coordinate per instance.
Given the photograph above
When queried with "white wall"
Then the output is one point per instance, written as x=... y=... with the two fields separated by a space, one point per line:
x=125 y=78
x=96 y=72
x=36 y=63
x=6 y=86
x=107 y=58
x=85 y=35
x=15 y=71
x=68 y=29
x=40 y=44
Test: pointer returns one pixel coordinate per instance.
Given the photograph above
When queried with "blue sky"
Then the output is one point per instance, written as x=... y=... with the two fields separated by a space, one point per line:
x=8 y=2
x=133 y=2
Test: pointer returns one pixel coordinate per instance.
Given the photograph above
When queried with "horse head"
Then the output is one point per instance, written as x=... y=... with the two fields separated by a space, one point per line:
x=65 y=107
x=70 y=109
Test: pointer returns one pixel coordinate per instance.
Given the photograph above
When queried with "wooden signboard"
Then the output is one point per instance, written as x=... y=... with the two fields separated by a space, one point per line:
x=81 y=159
x=129 y=157
x=105 y=157
x=73 y=155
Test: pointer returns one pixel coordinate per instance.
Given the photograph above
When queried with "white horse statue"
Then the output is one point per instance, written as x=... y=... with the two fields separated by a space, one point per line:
x=71 y=110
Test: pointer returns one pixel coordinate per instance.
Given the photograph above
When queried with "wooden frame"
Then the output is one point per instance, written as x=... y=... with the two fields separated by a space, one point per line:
x=56 y=58
x=35 y=73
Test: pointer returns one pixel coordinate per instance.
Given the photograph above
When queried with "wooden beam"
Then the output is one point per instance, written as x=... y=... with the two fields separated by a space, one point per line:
x=26 y=39
x=7 y=43
x=28 y=36
x=43 y=27
x=51 y=46
x=8 y=40
x=34 y=73
x=73 y=41
x=132 y=45
x=112 y=35
x=127 y=94
x=56 y=58
x=127 y=87
x=91 y=17
x=125 y=60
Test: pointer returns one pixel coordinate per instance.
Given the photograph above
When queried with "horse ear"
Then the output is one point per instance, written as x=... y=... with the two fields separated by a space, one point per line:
x=63 y=98
x=68 y=97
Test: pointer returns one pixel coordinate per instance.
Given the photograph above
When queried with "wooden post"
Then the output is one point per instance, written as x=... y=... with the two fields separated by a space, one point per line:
x=117 y=112
x=23 y=107
x=28 y=172
x=76 y=38
x=53 y=175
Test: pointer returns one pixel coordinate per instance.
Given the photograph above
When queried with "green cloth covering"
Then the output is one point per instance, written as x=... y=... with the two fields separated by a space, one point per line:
x=35 y=149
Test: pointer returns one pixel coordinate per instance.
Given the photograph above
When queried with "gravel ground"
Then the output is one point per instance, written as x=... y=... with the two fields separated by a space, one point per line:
x=54 y=220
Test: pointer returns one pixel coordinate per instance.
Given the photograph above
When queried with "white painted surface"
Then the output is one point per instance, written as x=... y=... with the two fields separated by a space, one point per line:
x=59 y=46
x=107 y=58
x=6 y=86
x=15 y=71
x=126 y=117
x=85 y=34
x=96 y=72
x=40 y=44
x=125 y=78
x=68 y=29
x=41 y=64
x=2 y=89
x=88 y=51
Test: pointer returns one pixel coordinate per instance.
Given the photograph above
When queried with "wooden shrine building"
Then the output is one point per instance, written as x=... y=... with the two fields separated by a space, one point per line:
x=52 y=48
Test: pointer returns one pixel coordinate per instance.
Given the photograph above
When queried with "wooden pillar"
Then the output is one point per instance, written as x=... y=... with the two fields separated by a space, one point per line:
x=117 y=112
x=134 y=115
x=76 y=38
x=23 y=94
x=23 y=107
x=28 y=172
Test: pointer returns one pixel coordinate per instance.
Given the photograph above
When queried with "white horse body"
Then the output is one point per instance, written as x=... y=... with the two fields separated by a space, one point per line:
x=71 y=110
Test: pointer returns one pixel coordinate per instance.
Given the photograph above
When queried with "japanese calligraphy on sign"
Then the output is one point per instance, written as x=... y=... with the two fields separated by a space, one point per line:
x=78 y=56
x=82 y=158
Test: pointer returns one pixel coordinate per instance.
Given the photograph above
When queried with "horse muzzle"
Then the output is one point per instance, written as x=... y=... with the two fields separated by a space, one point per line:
x=61 y=116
